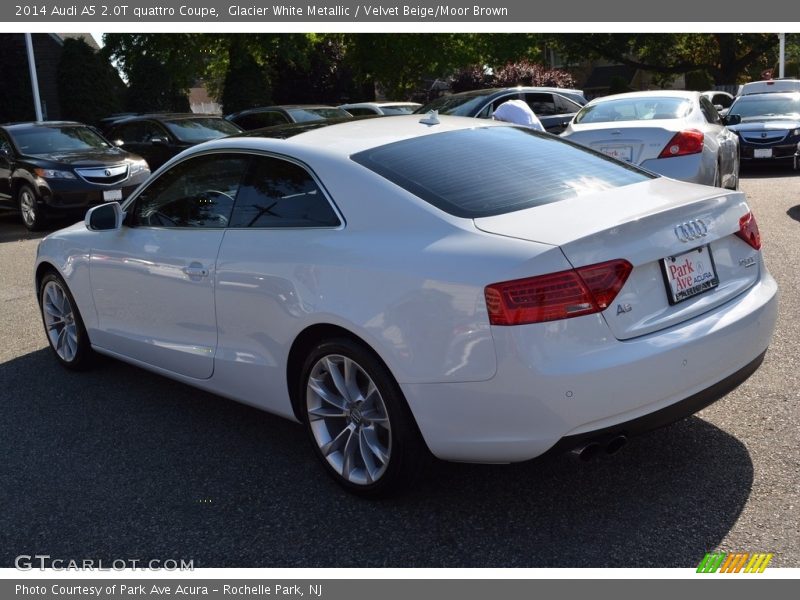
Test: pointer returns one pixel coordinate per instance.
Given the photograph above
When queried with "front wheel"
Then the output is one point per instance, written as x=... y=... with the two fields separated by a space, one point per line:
x=358 y=421
x=63 y=324
x=29 y=209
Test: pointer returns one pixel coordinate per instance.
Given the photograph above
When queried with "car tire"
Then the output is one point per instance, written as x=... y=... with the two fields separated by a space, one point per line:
x=63 y=324
x=358 y=421
x=30 y=212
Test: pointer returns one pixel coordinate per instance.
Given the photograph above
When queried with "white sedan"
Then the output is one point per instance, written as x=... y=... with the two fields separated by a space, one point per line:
x=469 y=288
x=675 y=133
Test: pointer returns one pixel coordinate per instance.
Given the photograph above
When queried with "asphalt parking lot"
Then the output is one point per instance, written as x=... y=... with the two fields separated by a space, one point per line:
x=121 y=463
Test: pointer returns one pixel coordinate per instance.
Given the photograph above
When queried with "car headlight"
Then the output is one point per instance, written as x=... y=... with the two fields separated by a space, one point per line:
x=53 y=174
x=138 y=166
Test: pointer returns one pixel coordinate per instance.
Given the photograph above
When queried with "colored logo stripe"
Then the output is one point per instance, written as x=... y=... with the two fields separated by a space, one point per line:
x=734 y=562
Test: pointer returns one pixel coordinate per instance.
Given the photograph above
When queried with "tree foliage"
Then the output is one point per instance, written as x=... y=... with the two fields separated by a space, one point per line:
x=726 y=57
x=88 y=86
x=246 y=84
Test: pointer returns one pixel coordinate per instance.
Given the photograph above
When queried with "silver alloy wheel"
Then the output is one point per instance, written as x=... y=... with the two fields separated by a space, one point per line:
x=27 y=206
x=59 y=320
x=348 y=419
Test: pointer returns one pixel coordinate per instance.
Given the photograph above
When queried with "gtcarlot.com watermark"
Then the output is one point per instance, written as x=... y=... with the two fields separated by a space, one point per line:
x=42 y=562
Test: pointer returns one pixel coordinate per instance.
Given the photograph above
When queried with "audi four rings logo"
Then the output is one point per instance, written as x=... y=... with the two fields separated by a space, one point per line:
x=691 y=230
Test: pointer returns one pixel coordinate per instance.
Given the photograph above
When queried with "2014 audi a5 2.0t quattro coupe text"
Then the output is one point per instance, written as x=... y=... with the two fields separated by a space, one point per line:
x=469 y=288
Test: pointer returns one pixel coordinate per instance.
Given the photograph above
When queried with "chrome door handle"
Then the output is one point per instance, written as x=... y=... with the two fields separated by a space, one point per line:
x=196 y=270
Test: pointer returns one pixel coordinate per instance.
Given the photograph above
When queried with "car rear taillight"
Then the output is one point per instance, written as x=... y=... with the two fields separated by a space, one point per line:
x=748 y=230
x=555 y=296
x=688 y=141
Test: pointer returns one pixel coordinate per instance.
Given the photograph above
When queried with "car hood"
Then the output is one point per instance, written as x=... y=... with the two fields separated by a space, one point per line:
x=765 y=124
x=89 y=158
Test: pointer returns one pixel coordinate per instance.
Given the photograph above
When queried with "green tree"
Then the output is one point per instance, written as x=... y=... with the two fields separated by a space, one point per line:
x=246 y=84
x=152 y=88
x=726 y=57
x=88 y=86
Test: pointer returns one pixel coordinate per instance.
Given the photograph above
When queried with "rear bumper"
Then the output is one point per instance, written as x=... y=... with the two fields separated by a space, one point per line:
x=566 y=381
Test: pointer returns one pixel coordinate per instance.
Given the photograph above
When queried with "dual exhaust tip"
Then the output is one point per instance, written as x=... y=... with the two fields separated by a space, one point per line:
x=593 y=449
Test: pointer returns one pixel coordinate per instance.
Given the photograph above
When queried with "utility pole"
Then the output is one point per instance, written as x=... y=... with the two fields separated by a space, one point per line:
x=782 y=54
x=37 y=103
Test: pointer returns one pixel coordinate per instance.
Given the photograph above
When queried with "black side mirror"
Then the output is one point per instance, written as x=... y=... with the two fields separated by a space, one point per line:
x=732 y=119
x=159 y=140
x=105 y=217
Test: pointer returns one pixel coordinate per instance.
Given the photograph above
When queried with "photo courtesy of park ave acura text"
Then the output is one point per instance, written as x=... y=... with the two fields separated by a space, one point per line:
x=368 y=299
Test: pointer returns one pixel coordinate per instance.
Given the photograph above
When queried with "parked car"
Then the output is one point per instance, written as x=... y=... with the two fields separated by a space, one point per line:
x=268 y=116
x=480 y=291
x=769 y=131
x=380 y=108
x=553 y=106
x=57 y=169
x=160 y=136
x=678 y=134
x=769 y=86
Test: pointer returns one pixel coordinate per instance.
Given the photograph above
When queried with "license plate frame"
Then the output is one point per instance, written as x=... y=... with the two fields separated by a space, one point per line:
x=623 y=153
x=762 y=153
x=112 y=195
x=697 y=264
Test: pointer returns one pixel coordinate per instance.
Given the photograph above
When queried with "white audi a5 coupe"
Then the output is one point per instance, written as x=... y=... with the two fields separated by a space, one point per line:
x=468 y=288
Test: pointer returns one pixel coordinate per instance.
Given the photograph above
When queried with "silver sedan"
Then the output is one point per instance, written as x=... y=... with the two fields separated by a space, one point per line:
x=675 y=133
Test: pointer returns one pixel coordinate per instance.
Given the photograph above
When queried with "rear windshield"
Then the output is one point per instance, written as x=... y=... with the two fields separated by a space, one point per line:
x=301 y=115
x=201 y=129
x=399 y=109
x=634 y=109
x=455 y=105
x=487 y=171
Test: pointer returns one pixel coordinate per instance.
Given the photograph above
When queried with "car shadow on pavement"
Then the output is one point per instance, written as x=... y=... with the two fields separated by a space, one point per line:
x=120 y=463
x=12 y=229
x=794 y=212
x=767 y=171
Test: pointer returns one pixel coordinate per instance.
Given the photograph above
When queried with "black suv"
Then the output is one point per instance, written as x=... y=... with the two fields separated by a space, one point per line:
x=554 y=107
x=60 y=168
x=159 y=137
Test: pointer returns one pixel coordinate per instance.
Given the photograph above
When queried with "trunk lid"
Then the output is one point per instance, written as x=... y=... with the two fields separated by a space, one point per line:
x=641 y=224
x=634 y=144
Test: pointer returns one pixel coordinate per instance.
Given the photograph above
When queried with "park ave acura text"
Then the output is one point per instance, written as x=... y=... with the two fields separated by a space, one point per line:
x=472 y=289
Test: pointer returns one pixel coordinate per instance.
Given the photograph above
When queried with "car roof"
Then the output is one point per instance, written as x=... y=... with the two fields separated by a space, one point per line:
x=161 y=116
x=350 y=136
x=277 y=107
x=522 y=88
x=28 y=124
x=768 y=86
x=379 y=104
x=649 y=94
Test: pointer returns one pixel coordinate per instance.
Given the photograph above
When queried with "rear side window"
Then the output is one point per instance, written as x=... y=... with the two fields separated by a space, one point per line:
x=487 y=171
x=279 y=193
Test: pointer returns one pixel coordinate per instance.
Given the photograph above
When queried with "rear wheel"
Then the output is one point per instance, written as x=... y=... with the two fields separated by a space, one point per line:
x=357 y=419
x=63 y=324
x=29 y=210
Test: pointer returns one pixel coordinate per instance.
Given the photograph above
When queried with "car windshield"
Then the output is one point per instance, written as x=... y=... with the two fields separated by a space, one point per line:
x=489 y=171
x=767 y=105
x=201 y=129
x=634 y=109
x=459 y=106
x=303 y=115
x=66 y=138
